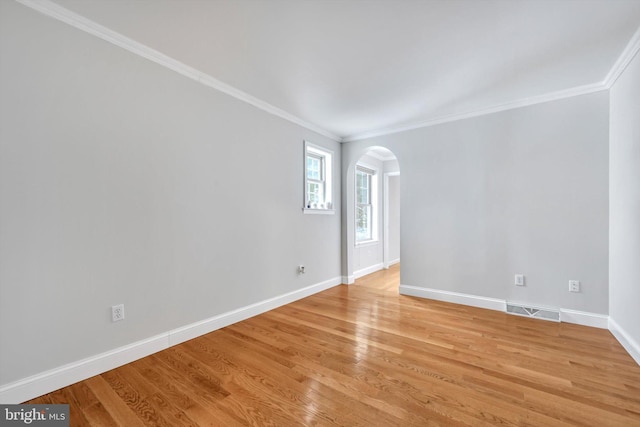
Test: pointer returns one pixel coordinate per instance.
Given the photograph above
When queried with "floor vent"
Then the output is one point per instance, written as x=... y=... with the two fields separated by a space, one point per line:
x=536 y=312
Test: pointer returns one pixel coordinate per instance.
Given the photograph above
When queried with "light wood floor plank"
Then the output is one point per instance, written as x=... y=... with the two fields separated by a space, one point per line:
x=362 y=355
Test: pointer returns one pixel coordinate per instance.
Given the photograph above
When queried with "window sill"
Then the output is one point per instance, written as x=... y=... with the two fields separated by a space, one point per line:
x=367 y=243
x=318 y=211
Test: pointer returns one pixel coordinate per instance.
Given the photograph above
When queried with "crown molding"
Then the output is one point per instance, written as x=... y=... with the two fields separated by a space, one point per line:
x=53 y=10
x=553 y=96
x=625 y=58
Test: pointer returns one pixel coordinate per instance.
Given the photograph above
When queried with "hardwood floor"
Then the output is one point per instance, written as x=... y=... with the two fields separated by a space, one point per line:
x=383 y=280
x=362 y=355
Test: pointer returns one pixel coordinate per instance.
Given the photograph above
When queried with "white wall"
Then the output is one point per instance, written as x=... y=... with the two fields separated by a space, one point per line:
x=624 y=221
x=124 y=182
x=392 y=171
x=394 y=218
x=521 y=191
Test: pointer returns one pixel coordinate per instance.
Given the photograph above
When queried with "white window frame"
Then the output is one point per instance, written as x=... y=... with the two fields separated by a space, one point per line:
x=324 y=206
x=372 y=174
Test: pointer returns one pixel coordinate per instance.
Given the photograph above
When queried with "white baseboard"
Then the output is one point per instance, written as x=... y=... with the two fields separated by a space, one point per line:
x=197 y=329
x=368 y=270
x=454 y=297
x=626 y=340
x=48 y=381
x=584 y=318
x=566 y=315
x=390 y=263
x=349 y=280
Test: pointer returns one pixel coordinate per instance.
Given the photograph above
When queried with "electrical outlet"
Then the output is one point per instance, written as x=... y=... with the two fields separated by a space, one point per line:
x=519 y=280
x=117 y=312
x=301 y=269
x=574 y=286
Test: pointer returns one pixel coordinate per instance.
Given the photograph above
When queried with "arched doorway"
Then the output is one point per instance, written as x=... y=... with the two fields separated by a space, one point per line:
x=372 y=189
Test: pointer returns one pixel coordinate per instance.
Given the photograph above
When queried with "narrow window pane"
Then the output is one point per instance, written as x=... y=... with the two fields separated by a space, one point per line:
x=313 y=168
x=315 y=193
x=364 y=210
x=362 y=188
x=363 y=223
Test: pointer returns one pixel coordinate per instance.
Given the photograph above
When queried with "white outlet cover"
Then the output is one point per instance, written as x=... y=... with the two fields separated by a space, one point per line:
x=519 y=280
x=117 y=312
x=574 y=286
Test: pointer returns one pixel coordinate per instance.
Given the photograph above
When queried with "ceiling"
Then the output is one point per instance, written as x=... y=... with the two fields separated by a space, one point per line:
x=360 y=67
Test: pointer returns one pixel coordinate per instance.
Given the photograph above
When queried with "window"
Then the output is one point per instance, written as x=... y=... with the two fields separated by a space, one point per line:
x=365 y=204
x=317 y=179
